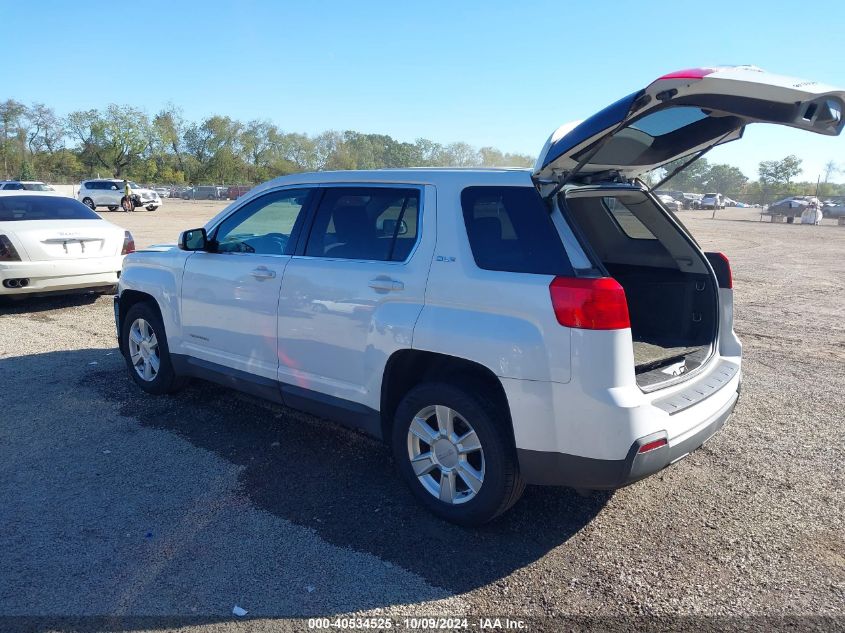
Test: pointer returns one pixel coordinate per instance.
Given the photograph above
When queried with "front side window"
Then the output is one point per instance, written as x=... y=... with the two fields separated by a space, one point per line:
x=366 y=223
x=509 y=229
x=265 y=226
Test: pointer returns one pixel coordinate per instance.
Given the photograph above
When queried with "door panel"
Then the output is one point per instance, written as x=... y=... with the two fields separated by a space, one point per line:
x=341 y=316
x=230 y=297
x=229 y=313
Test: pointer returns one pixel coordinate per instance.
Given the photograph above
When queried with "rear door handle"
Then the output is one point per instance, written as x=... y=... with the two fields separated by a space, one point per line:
x=386 y=284
x=262 y=272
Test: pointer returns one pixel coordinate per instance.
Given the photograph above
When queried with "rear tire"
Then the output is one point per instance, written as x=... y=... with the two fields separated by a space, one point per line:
x=89 y=203
x=471 y=474
x=145 y=350
x=112 y=207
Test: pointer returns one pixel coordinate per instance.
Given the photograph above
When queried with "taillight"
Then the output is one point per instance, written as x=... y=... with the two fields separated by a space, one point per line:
x=722 y=267
x=128 y=243
x=591 y=304
x=645 y=448
x=7 y=250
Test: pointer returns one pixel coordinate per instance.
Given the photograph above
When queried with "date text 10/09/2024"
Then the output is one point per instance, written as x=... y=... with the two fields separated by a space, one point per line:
x=420 y=624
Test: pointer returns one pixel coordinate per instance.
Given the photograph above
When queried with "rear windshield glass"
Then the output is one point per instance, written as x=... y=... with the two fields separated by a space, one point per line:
x=21 y=208
x=661 y=136
x=510 y=229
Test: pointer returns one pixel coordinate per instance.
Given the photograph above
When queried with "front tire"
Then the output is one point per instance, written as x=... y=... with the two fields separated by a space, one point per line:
x=151 y=207
x=145 y=350
x=89 y=203
x=112 y=207
x=453 y=447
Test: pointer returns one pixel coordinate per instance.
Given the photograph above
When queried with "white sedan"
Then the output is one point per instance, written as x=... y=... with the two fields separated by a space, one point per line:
x=55 y=243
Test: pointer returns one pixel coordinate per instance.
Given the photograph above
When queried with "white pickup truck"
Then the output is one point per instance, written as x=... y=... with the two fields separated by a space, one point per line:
x=500 y=327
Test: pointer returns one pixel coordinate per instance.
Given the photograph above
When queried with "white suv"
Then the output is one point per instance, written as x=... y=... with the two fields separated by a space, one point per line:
x=108 y=192
x=499 y=327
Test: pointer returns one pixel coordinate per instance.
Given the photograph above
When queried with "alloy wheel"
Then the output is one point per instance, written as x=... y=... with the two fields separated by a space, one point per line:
x=143 y=350
x=446 y=454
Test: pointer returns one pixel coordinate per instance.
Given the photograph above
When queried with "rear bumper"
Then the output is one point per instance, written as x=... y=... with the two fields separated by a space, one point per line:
x=561 y=469
x=57 y=276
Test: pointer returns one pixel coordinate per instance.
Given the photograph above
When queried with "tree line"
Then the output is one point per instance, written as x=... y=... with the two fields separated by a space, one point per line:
x=123 y=141
x=775 y=180
x=166 y=148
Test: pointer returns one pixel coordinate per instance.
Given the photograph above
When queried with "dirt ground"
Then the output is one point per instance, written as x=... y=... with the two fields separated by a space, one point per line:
x=159 y=510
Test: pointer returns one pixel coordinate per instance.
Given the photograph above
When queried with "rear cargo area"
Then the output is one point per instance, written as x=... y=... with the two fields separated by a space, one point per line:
x=672 y=297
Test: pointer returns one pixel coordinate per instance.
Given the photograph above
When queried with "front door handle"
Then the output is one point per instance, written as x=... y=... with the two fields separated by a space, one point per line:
x=262 y=272
x=386 y=284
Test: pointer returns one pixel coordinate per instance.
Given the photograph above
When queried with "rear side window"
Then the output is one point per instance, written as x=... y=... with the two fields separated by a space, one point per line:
x=627 y=221
x=510 y=229
x=366 y=223
x=22 y=208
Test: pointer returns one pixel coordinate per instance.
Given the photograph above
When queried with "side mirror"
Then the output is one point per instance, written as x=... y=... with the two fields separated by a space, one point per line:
x=193 y=240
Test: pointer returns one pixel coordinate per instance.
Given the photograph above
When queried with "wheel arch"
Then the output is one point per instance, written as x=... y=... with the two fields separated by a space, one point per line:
x=129 y=298
x=408 y=368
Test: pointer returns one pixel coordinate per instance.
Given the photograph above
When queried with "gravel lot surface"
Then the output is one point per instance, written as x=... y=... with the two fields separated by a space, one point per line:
x=117 y=504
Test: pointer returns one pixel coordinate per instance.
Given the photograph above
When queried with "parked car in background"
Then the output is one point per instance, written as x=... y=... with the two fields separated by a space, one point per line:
x=834 y=211
x=235 y=192
x=712 y=201
x=204 y=192
x=26 y=185
x=693 y=200
x=177 y=191
x=163 y=192
x=793 y=207
x=686 y=200
x=108 y=192
x=675 y=195
x=55 y=243
x=670 y=203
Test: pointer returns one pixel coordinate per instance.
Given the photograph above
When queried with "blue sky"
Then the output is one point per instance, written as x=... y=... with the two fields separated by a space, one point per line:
x=489 y=73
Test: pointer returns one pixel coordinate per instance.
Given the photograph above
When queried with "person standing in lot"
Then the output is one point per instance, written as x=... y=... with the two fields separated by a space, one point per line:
x=126 y=203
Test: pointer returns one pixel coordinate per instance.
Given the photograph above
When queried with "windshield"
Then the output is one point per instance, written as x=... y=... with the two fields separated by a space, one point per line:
x=23 y=208
x=710 y=195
